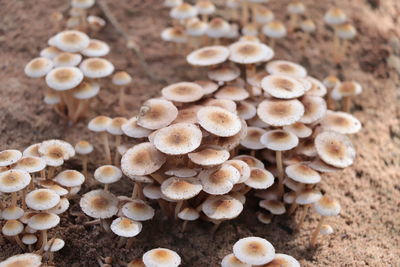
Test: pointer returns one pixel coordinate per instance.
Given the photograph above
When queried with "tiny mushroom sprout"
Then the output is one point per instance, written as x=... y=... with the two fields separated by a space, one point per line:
x=254 y=250
x=125 y=227
x=188 y=214
x=84 y=148
x=121 y=79
x=345 y=32
x=161 y=257
x=99 y=124
x=274 y=30
x=107 y=175
x=346 y=91
x=27 y=259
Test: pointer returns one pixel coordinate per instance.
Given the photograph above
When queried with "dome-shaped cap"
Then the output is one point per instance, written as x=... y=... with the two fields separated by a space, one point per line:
x=217 y=28
x=331 y=81
x=137 y=210
x=27 y=259
x=246 y=110
x=249 y=52
x=99 y=123
x=296 y=7
x=50 y=52
x=30 y=164
x=83 y=147
x=274 y=206
x=209 y=55
x=279 y=140
x=219 y=121
x=299 y=129
x=251 y=161
x=249 y=30
x=183 y=92
x=346 y=89
x=66 y=59
x=327 y=206
x=308 y=25
x=115 y=126
x=43 y=221
x=14 y=180
x=181 y=188
x=12 y=228
x=243 y=168
x=280 y=112
x=284 y=67
x=157 y=113
x=227 y=104
x=132 y=129
x=346 y=31
x=99 y=204
x=152 y=191
x=161 y=257
x=224 y=73
x=96 y=68
x=222 y=207
x=9 y=157
x=335 y=16
x=231 y=261
x=71 y=41
x=183 y=11
x=220 y=180
x=326 y=229
x=64 y=78
x=61 y=207
x=340 y=122
x=42 y=199
x=96 y=48
x=121 y=78
x=196 y=28
x=174 y=34
x=51 y=97
x=55 y=151
x=274 y=29
x=29 y=239
x=54 y=245
x=302 y=173
x=282 y=86
x=308 y=196
x=86 y=90
x=205 y=7
x=70 y=178
x=12 y=213
x=107 y=174
x=259 y=179
x=125 y=227
x=264 y=218
x=209 y=87
x=252 y=139
x=38 y=67
x=254 y=250
x=233 y=93
x=282 y=260
x=209 y=156
x=314 y=109
x=263 y=15
x=188 y=214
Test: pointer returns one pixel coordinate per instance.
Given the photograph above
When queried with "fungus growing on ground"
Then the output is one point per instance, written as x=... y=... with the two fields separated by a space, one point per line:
x=346 y=91
x=126 y=228
x=254 y=250
x=27 y=259
x=161 y=257
x=100 y=124
x=43 y=222
x=295 y=9
x=274 y=30
x=121 y=79
x=107 y=175
x=84 y=148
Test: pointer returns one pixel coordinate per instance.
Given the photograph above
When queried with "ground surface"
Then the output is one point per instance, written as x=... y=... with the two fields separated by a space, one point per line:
x=367 y=230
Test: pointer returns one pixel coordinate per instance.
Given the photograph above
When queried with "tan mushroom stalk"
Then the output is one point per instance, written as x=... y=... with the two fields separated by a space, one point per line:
x=84 y=93
x=188 y=214
x=121 y=79
x=295 y=9
x=13 y=228
x=126 y=228
x=345 y=32
x=115 y=128
x=330 y=82
x=334 y=17
x=100 y=124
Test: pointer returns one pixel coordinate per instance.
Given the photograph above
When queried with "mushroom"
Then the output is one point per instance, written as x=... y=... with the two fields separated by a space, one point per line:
x=182 y=12
x=132 y=129
x=295 y=8
x=205 y=8
x=27 y=259
x=12 y=181
x=38 y=67
x=161 y=257
x=157 y=113
x=55 y=152
x=13 y=228
x=282 y=260
x=43 y=222
x=96 y=48
x=100 y=124
x=282 y=86
x=224 y=73
x=217 y=28
x=254 y=250
x=121 y=79
x=340 y=122
x=306 y=197
x=308 y=26
x=274 y=30
x=42 y=199
x=280 y=112
x=195 y=31
x=330 y=82
x=231 y=261
x=284 y=67
x=188 y=214
x=115 y=128
x=107 y=175
x=54 y=245
x=219 y=180
x=84 y=93
x=95 y=68
x=346 y=91
x=127 y=228
x=345 y=32
x=29 y=240
x=208 y=56
x=274 y=206
x=65 y=59
x=334 y=17
x=183 y=92
x=84 y=148
x=219 y=121
x=137 y=210
x=209 y=156
x=70 y=178
x=136 y=263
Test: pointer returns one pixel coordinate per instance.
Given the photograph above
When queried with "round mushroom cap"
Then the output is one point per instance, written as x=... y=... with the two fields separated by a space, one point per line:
x=64 y=78
x=252 y=139
x=152 y=191
x=61 y=207
x=43 y=221
x=219 y=121
x=188 y=115
x=280 y=112
x=9 y=157
x=259 y=179
x=246 y=110
x=55 y=151
x=249 y=30
x=51 y=97
x=317 y=87
x=82 y=4
x=14 y=180
x=42 y=199
x=38 y=67
x=12 y=213
x=99 y=123
x=205 y=7
x=320 y=166
x=314 y=109
x=302 y=173
x=181 y=188
x=331 y=81
x=207 y=56
x=115 y=126
x=263 y=15
x=99 y=204
x=209 y=156
x=308 y=25
x=161 y=257
x=249 y=52
x=243 y=168
x=183 y=92
x=218 y=28
x=96 y=48
x=279 y=140
x=174 y=34
x=274 y=29
x=220 y=180
x=227 y=104
x=183 y=11
x=71 y=41
x=30 y=164
x=346 y=89
x=335 y=149
x=137 y=210
x=326 y=229
x=327 y=206
x=335 y=16
x=282 y=260
x=157 y=113
x=125 y=227
x=308 y=196
x=121 y=78
x=136 y=263
x=340 y=122
x=223 y=207
x=282 y=86
x=86 y=90
x=70 y=178
x=29 y=239
x=182 y=172
x=54 y=245
x=32 y=151
x=132 y=129
x=264 y=218
x=224 y=73
x=293 y=185
x=196 y=28
x=142 y=159
x=289 y=197
x=108 y=174
x=96 y=68
x=209 y=87
x=231 y=261
x=188 y=214
x=50 y=52
x=66 y=59
x=83 y=147
x=23 y=260
x=254 y=250
x=232 y=93
x=284 y=67
x=274 y=206
x=251 y=161
x=12 y=228
x=299 y=129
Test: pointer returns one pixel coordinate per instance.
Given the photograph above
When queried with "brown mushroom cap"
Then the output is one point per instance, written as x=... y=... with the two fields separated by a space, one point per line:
x=181 y=188
x=284 y=67
x=42 y=199
x=340 y=122
x=327 y=206
x=299 y=129
x=252 y=139
x=137 y=210
x=95 y=68
x=209 y=156
x=107 y=174
x=317 y=87
x=115 y=126
x=282 y=260
x=183 y=92
x=125 y=227
x=254 y=250
x=348 y=88
x=99 y=204
x=314 y=109
x=259 y=179
x=38 y=67
x=157 y=113
x=219 y=121
x=71 y=41
x=23 y=260
x=243 y=52
x=161 y=257
x=219 y=180
x=274 y=206
x=279 y=140
x=70 y=178
x=64 y=78
x=209 y=87
x=222 y=207
x=9 y=157
x=282 y=86
x=280 y=112
x=14 y=180
x=207 y=56
x=99 y=123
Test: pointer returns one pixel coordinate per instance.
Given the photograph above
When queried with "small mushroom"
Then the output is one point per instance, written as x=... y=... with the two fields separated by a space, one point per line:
x=161 y=257
x=254 y=250
x=99 y=124
x=84 y=148
x=121 y=79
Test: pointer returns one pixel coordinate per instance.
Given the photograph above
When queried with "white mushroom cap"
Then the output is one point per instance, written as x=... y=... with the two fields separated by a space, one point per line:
x=274 y=29
x=138 y=210
x=335 y=149
x=99 y=123
x=142 y=159
x=280 y=112
x=289 y=197
x=231 y=261
x=96 y=48
x=209 y=87
x=233 y=93
x=222 y=207
x=152 y=191
x=308 y=25
x=308 y=196
x=243 y=168
x=43 y=221
x=283 y=260
x=174 y=34
x=161 y=257
x=9 y=157
x=327 y=206
x=340 y=122
x=108 y=174
x=54 y=245
x=83 y=147
x=263 y=15
x=249 y=52
x=196 y=28
x=50 y=52
x=326 y=229
x=32 y=151
x=27 y=259
x=219 y=121
x=248 y=38
x=55 y=151
x=30 y=164
x=220 y=180
x=209 y=156
x=14 y=180
x=299 y=129
x=82 y=4
x=224 y=73
x=259 y=179
x=38 y=67
x=172 y=3
x=282 y=86
x=121 y=78
x=61 y=207
x=157 y=113
x=70 y=178
x=99 y=204
x=246 y=110
x=132 y=129
x=249 y=30
x=183 y=11
x=126 y=227
x=29 y=239
x=209 y=55
x=346 y=89
x=183 y=92
x=331 y=81
x=71 y=41
x=251 y=161
x=302 y=173
x=274 y=206
x=66 y=59
x=96 y=22
x=317 y=87
x=293 y=185
x=182 y=172
x=205 y=7
x=115 y=126
x=12 y=228
x=296 y=7
x=42 y=199
x=12 y=213
x=188 y=214
x=51 y=97
x=279 y=140
x=64 y=78
x=181 y=188
x=217 y=28
x=314 y=109
x=318 y=165
x=227 y=104
x=335 y=16
x=96 y=68
x=254 y=250
x=252 y=139
x=86 y=90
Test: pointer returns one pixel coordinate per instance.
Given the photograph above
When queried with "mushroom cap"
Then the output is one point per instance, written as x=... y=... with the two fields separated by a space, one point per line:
x=107 y=174
x=12 y=228
x=335 y=149
x=249 y=52
x=132 y=129
x=205 y=7
x=142 y=159
x=137 y=210
x=308 y=196
x=289 y=197
x=317 y=87
x=207 y=56
x=43 y=221
x=99 y=123
x=246 y=110
x=249 y=30
x=263 y=15
x=161 y=257
x=335 y=16
x=70 y=178
x=42 y=199
x=121 y=78
x=157 y=113
x=136 y=263
x=249 y=38
x=259 y=179
x=38 y=67
x=227 y=104
x=86 y=90
x=115 y=126
x=243 y=168
x=152 y=191
x=340 y=122
x=71 y=41
x=308 y=25
x=284 y=67
x=279 y=140
x=296 y=7
x=83 y=147
x=27 y=259
x=196 y=28
x=64 y=78
x=254 y=250
x=318 y=165
x=61 y=207
x=50 y=52
x=172 y=3
x=219 y=180
x=66 y=59
x=51 y=97
x=182 y=172
x=9 y=157
x=218 y=28
x=282 y=86
x=181 y=188
x=346 y=89
x=282 y=260
x=302 y=173
x=30 y=164
x=219 y=121
x=252 y=139
x=346 y=31
x=29 y=239
x=314 y=108
x=327 y=206
x=125 y=227
x=32 y=151
x=251 y=161
x=12 y=213
x=99 y=204
x=183 y=92
x=82 y=4
x=232 y=93
x=274 y=29
x=188 y=214
x=331 y=81
x=274 y=206
x=209 y=156
x=54 y=245
x=96 y=48
x=55 y=151
x=183 y=11
x=14 y=180
x=299 y=129
x=224 y=73
x=223 y=207
x=209 y=87
x=188 y=115
x=231 y=261
x=264 y=218
x=174 y=34
x=326 y=229
x=292 y=184
x=96 y=68
x=280 y=112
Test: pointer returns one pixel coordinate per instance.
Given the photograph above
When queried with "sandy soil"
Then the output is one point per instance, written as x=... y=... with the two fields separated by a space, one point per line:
x=368 y=229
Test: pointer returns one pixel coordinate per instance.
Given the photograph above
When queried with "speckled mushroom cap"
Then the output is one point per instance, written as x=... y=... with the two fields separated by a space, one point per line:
x=181 y=188
x=207 y=56
x=274 y=29
x=99 y=204
x=222 y=207
x=217 y=28
x=320 y=166
x=9 y=157
x=308 y=196
x=280 y=112
x=125 y=227
x=142 y=159
x=284 y=67
x=50 y=52
x=335 y=149
x=327 y=206
x=219 y=180
x=181 y=172
x=83 y=147
x=43 y=221
x=14 y=180
x=61 y=207
x=302 y=173
x=347 y=88
x=282 y=260
x=335 y=16
x=299 y=129
x=209 y=156
x=70 y=178
x=161 y=257
x=242 y=167
x=259 y=179
x=340 y=122
x=82 y=4
x=209 y=87
x=95 y=68
x=219 y=121
x=12 y=228
x=251 y=161
x=188 y=214
x=64 y=78
x=317 y=87
x=279 y=140
x=233 y=93
x=183 y=11
x=274 y=206
x=137 y=210
x=38 y=67
x=27 y=259
x=249 y=52
x=157 y=113
x=254 y=250
x=246 y=110
x=224 y=73
x=252 y=139
x=282 y=86
x=314 y=109
x=108 y=174
x=231 y=261
x=42 y=199
x=66 y=59
x=86 y=90
x=71 y=41
x=183 y=92
x=55 y=151
x=99 y=123
x=32 y=151
x=263 y=15
x=96 y=48
x=12 y=213
x=115 y=126
x=132 y=129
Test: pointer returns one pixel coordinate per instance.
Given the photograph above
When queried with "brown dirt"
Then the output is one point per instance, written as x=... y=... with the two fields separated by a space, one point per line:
x=368 y=229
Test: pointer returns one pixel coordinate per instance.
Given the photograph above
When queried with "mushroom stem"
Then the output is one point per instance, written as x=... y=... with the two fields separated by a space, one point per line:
x=293 y=207
x=329 y=101
x=69 y=103
x=97 y=221
x=343 y=50
x=121 y=242
x=204 y=18
x=44 y=239
x=303 y=216
x=42 y=174
x=178 y=208
x=346 y=103
x=245 y=12
x=30 y=248
x=121 y=101
x=272 y=43
x=246 y=190
x=79 y=110
x=1 y=240
x=19 y=242
x=84 y=165
x=157 y=177
x=50 y=172
x=106 y=145
x=316 y=232
x=105 y=226
x=215 y=227
x=135 y=191
x=14 y=199
x=117 y=155
x=23 y=194
x=279 y=166
x=163 y=206
x=106 y=187
x=184 y=224
x=293 y=22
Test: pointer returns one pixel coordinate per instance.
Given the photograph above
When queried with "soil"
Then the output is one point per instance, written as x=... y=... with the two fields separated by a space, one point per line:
x=367 y=232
